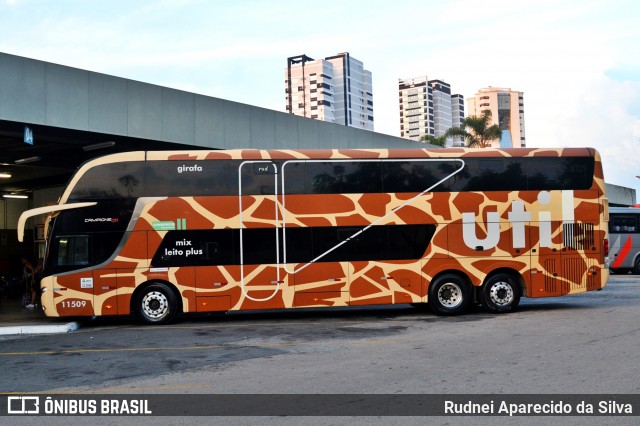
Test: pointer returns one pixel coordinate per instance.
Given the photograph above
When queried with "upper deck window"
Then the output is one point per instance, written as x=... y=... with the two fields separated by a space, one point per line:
x=221 y=177
x=115 y=180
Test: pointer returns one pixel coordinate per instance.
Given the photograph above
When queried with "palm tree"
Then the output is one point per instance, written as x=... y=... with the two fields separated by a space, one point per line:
x=434 y=140
x=480 y=134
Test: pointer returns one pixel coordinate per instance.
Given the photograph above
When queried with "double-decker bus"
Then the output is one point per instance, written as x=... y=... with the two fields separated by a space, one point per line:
x=624 y=234
x=161 y=233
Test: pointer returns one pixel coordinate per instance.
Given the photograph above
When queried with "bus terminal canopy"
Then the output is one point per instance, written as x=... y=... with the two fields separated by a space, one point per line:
x=53 y=118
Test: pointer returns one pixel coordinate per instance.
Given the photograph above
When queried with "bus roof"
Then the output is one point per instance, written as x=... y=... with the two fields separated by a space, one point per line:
x=625 y=210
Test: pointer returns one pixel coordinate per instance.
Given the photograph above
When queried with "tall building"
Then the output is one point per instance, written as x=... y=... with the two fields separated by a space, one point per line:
x=442 y=117
x=507 y=111
x=336 y=89
x=416 y=108
x=309 y=88
x=457 y=115
x=427 y=107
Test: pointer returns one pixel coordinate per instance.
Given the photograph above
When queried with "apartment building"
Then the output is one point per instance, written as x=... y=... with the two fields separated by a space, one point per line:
x=507 y=111
x=427 y=107
x=336 y=89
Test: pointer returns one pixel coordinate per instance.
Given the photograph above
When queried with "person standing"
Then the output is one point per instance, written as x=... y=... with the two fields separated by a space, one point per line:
x=29 y=276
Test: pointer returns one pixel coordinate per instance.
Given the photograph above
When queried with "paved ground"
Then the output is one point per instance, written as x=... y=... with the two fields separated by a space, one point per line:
x=588 y=343
x=14 y=319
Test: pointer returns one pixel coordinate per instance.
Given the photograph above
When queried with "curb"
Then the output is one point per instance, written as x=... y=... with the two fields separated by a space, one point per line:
x=39 y=329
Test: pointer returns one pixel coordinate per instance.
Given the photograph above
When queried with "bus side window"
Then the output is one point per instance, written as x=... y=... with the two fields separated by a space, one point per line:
x=623 y=224
x=72 y=250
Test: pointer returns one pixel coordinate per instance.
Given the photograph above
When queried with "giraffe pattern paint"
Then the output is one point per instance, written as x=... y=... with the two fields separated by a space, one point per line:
x=476 y=234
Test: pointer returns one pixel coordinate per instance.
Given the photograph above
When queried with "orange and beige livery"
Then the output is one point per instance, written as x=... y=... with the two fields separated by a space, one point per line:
x=159 y=233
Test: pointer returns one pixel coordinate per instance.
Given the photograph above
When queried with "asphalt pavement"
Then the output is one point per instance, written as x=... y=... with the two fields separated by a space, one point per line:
x=15 y=319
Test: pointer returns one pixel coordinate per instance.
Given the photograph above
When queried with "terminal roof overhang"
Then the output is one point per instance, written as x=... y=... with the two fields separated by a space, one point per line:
x=56 y=153
x=69 y=109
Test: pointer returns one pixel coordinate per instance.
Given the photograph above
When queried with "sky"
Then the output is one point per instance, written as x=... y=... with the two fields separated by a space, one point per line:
x=576 y=61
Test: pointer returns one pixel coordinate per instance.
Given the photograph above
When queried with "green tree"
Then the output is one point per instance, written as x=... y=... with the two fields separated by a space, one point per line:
x=479 y=134
x=434 y=140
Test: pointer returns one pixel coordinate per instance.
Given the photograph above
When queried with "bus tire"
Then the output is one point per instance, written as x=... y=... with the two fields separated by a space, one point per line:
x=501 y=293
x=449 y=294
x=636 y=267
x=157 y=304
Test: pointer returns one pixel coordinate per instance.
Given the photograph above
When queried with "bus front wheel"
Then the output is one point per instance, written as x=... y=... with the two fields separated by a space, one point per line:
x=157 y=304
x=449 y=294
x=501 y=293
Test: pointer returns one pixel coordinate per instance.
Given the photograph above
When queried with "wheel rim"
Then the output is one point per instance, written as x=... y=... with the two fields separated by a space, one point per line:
x=155 y=304
x=501 y=293
x=450 y=295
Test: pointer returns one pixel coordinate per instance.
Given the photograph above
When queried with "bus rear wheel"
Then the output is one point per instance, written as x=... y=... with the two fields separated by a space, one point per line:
x=501 y=293
x=636 y=267
x=157 y=304
x=449 y=294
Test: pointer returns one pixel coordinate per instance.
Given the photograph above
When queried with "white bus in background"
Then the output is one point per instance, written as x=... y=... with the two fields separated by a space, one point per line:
x=624 y=239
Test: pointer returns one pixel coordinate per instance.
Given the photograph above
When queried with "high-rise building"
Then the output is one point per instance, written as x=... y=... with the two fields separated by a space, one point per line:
x=442 y=118
x=416 y=108
x=336 y=89
x=427 y=107
x=507 y=111
x=457 y=115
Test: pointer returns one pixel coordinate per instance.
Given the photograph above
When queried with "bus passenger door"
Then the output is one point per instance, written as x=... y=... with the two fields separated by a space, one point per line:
x=319 y=278
x=261 y=274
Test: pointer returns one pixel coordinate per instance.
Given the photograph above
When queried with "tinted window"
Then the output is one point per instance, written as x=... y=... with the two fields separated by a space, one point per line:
x=623 y=223
x=220 y=177
x=343 y=177
x=116 y=180
x=257 y=178
x=391 y=242
x=559 y=173
x=521 y=174
x=68 y=252
x=72 y=250
x=97 y=229
x=295 y=177
x=190 y=178
x=104 y=245
x=222 y=246
x=191 y=248
x=353 y=177
x=106 y=216
x=417 y=176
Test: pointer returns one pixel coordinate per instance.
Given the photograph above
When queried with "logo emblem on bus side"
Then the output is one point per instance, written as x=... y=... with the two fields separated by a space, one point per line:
x=102 y=219
x=519 y=217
